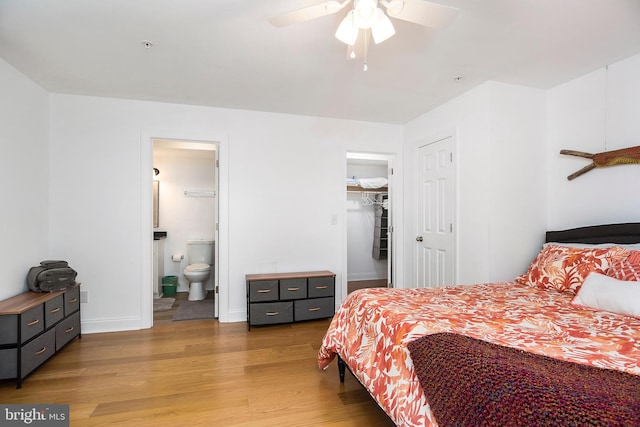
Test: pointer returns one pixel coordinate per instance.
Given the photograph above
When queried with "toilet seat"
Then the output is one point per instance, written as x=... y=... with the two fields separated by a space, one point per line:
x=197 y=267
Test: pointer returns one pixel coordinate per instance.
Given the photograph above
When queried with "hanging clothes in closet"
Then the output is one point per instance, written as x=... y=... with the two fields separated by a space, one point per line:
x=380 y=239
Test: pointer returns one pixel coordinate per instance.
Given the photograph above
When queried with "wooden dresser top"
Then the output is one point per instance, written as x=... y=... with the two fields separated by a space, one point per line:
x=26 y=301
x=294 y=275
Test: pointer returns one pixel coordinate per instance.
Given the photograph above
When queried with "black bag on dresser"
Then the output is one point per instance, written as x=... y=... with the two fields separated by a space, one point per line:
x=51 y=276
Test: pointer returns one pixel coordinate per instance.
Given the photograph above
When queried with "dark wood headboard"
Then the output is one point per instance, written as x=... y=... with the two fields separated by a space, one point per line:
x=609 y=233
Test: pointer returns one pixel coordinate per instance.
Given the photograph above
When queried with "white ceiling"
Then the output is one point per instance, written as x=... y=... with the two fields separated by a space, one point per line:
x=224 y=53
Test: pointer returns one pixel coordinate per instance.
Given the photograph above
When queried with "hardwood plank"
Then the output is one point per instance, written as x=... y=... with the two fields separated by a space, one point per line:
x=199 y=373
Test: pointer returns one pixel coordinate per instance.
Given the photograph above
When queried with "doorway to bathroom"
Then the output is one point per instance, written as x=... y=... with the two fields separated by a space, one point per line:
x=369 y=221
x=185 y=211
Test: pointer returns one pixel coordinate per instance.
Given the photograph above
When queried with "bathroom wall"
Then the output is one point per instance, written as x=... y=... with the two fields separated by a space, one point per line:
x=360 y=225
x=184 y=217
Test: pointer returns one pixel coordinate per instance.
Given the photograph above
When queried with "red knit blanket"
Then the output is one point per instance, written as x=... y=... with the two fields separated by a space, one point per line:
x=469 y=382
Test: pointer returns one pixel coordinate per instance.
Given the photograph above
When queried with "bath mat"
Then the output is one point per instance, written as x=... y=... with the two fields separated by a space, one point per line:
x=190 y=310
x=163 y=304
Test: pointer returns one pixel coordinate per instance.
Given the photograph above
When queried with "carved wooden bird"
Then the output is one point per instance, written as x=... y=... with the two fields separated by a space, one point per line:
x=606 y=158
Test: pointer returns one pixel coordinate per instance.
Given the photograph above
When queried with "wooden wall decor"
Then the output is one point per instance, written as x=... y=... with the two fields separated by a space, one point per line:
x=606 y=158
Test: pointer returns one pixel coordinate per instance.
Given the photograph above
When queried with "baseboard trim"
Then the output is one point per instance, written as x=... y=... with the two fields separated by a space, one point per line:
x=111 y=325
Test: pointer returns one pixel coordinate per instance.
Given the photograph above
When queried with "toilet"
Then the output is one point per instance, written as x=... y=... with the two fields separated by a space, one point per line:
x=200 y=253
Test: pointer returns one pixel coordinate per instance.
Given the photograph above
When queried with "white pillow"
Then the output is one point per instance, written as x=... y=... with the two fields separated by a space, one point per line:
x=609 y=294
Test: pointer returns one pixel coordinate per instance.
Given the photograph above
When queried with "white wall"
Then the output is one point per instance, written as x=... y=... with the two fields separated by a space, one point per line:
x=285 y=182
x=500 y=152
x=511 y=181
x=184 y=217
x=24 y=174
x=597 y=112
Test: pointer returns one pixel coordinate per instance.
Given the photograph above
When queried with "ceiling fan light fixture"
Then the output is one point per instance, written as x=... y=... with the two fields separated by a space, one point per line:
x=366 y=13
x=347 y=31
x=383 y=29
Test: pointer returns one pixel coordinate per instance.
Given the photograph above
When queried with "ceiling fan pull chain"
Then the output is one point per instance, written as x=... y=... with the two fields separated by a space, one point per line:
x=366 y=49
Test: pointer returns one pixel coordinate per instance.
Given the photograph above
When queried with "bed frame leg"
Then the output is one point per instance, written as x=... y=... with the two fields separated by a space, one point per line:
x=341 y=368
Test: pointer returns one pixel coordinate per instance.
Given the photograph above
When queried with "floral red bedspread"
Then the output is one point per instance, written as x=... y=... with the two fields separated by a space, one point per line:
x=372 y=328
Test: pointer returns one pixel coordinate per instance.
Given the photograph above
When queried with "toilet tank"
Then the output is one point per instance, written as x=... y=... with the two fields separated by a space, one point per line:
x=200 y=251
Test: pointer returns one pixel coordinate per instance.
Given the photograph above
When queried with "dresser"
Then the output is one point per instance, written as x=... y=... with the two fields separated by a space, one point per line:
x=33 y=327
x=289 y=297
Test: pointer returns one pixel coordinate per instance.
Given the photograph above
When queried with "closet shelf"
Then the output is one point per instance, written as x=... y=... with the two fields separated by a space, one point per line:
x=359 y=189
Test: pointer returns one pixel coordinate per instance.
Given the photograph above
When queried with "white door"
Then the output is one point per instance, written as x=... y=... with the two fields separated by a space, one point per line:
x=435 y=229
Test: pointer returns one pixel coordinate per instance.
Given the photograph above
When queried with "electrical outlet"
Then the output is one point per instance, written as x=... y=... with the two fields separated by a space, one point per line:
x=84 y=296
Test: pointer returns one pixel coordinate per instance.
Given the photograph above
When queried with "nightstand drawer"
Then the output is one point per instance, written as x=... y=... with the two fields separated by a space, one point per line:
x=263 y=290
x=53 y=311
x=317 y=308
x=271 y=312
x=321 y=286
x=293 y=289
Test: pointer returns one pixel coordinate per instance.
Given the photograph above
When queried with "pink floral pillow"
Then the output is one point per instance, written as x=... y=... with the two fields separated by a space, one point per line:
x=564 y=268
x=627 y=269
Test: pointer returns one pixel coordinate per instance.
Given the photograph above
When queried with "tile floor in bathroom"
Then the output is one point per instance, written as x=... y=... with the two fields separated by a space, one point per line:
x=167 y=316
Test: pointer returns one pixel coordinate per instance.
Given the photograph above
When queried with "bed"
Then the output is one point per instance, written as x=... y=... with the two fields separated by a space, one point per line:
x=572 y=319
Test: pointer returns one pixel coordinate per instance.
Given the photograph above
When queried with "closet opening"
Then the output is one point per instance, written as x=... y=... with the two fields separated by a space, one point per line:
x=369 y=231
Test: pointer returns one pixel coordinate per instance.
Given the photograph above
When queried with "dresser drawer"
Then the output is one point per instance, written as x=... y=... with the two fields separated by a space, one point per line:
x=8 y=329
x=38 y=351
x=293 y=289
x=317 y=308
x=263 y=290
x=72 y=300
x=67 y=330
x=321 y=286
x=32 y=322
x=271 y=312
x=53 y=311
x=8 y=363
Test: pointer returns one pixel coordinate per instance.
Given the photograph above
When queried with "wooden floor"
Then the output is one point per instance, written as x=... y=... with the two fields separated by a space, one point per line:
x=199 y=373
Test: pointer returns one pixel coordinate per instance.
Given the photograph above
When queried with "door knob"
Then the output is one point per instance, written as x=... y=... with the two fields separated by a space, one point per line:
x=419 y=239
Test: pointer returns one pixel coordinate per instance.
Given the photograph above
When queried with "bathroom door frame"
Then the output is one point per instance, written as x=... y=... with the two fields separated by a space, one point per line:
x=146 y=217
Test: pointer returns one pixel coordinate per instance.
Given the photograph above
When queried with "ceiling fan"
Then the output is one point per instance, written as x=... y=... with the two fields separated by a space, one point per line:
x=368 y=16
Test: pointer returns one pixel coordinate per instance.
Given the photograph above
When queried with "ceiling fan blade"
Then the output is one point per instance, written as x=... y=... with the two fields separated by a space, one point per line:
x=308 y=13
x=423 y=13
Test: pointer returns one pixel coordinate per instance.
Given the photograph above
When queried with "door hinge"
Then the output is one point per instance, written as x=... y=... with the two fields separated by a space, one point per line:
x=450 y=228
x=451 y=157
x=217 y=289
x=216 y=226
x=217 y=163
x=390 y=171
